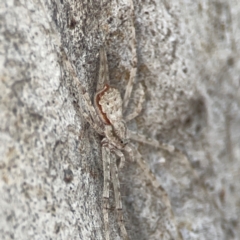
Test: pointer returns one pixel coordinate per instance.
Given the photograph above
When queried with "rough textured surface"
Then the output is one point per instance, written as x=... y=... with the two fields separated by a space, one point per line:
x=51 y=169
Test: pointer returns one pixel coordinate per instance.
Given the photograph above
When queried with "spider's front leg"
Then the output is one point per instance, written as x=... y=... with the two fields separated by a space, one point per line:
x=94 y=124
x=139 y=98
x=133 y=71
x=90 y=113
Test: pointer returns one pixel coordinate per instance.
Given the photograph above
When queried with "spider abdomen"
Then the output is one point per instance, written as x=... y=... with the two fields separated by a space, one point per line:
x=109 y=103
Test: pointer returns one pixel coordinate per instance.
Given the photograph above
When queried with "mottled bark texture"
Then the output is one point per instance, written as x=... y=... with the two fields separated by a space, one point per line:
x=51 y=173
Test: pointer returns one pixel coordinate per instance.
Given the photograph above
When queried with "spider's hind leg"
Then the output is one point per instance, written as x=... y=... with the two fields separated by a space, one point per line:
x=152 y=142
x=162 y=194
x=117 y=194
x=106 y=171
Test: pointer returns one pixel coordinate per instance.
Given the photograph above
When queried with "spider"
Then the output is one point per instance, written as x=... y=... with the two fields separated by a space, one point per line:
x=105 y=116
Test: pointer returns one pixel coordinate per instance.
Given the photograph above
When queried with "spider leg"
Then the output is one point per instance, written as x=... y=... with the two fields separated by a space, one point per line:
x=121 y=156
x=133 y=71
x=117 y=194
x=92 y=114
x=106 y=170
x=103 y=75
x=157 y=185
x=149 y=174
x=138 y=107
x=129 y=87
x=116 y=151
x=152 y=142
x=93 y=124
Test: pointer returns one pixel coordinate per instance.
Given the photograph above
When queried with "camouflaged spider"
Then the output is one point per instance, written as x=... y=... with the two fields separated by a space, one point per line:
x=106 y=117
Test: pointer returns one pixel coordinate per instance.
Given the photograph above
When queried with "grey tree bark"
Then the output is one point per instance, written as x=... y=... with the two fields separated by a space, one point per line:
x=50 y=159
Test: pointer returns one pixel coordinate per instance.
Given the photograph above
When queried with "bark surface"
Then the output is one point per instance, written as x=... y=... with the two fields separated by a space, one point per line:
x=51 y=173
